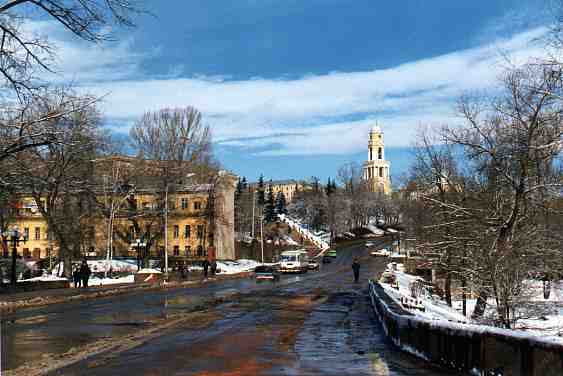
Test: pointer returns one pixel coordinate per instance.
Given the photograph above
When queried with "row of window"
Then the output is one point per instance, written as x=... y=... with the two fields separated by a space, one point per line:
x=200 y=229
x=184 y=204
x=188 y=251
x=37 y=234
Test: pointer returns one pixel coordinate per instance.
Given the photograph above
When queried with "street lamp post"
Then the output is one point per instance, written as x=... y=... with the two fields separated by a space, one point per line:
x=138 y=245
x=13 y=236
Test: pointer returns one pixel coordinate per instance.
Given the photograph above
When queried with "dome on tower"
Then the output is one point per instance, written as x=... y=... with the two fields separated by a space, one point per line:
x=375 y=129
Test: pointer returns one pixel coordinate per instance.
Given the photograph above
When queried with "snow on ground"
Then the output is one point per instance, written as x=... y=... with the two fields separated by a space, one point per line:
x=100 y=266
x=375 y=230
x=149 y=271
x=434 y=309
x=290 y=241
x=111 y=281
x=320 y=241
x=541 y=325
x=234 y=267
x=44 y=278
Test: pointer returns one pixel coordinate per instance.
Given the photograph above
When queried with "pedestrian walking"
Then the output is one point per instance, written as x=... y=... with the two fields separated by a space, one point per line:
x=183 y=270
x=85 y=273
x=76 y=277
x=213 y=268
x=356 y=269
x=205 y=268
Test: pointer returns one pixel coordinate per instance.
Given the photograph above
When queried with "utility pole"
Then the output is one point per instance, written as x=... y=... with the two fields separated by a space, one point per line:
x=262 y=236
x=166 y=233
x=253 y=203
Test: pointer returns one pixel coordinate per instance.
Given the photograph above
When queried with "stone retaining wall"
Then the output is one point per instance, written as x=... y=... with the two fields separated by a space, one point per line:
x=470 y=349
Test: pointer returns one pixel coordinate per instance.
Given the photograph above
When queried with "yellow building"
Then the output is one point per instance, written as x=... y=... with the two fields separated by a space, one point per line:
x=287 y=187
x=376 y=170
x=200 y=219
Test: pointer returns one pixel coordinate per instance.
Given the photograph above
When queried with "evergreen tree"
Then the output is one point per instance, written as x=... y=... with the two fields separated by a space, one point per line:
x=260 y=191
x=244 y=183
x=281 y=204
x=238 y=190
x=269 y=207
x=328 y=188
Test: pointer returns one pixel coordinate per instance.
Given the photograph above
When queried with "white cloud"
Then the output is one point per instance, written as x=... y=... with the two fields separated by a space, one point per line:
x=302 y=116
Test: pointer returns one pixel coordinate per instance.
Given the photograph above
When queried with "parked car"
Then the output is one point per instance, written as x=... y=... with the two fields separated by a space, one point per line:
x=314 y=265
x=266 y=273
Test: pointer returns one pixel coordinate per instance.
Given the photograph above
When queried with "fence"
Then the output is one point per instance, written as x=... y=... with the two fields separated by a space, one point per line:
x=467 y=348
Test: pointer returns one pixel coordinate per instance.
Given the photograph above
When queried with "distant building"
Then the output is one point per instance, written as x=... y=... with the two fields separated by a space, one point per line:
x=288 y=187
x=376 y=171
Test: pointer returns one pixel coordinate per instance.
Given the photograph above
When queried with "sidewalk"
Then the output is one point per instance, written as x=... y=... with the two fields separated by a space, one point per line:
x=11 y=302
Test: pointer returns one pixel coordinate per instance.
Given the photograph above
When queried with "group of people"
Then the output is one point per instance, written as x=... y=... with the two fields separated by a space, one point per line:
x=81 y=275
x=209 y=265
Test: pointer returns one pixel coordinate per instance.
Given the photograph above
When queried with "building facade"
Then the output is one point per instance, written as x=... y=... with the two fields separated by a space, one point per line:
x=376 y=170
x=200 y=220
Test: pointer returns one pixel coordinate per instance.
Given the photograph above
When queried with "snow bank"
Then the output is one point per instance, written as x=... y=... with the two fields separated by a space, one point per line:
x=234 y=267
x=44 y=278
x=111 y=281
x=149 y=271
x=320 y=241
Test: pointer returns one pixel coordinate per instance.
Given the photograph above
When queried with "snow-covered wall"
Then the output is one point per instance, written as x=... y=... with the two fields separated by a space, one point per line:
x=467 y=348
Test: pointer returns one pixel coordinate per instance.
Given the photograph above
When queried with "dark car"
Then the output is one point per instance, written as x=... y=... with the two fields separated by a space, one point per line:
x=314 y=265
x=266 y=273
x=327 y=259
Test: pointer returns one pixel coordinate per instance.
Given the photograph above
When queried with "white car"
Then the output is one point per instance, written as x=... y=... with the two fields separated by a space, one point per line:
x=381 y=253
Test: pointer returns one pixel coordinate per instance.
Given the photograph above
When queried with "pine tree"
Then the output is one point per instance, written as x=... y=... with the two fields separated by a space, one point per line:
x=269 y=207
x=281 y=204
x=260 y=191
x=239 y=188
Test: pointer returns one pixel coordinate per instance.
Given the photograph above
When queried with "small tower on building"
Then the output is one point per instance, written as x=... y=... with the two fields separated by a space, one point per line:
x=376 y=168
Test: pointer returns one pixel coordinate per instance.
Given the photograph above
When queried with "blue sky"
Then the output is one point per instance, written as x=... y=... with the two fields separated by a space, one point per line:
x=290 y=88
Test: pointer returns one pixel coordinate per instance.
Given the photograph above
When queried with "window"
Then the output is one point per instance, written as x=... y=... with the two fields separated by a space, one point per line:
x=200 y=250
x=172 y=205
x=200 y=230
x=37 y=233
x=26 y=253
x=188 y=250
x=197 y=205
x=176 y=250
x=380 y=153
x=187 y=231
x=26 y=233
x=176 y=231
x=380 y=172
x=131 y=234
x=184 y=203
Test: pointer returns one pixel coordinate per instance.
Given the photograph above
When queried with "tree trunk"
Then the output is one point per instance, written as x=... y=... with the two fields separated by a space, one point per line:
x=480 y=306
x=448 y=289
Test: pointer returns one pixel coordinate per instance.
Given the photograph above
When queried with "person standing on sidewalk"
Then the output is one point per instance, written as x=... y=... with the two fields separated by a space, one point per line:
x=85 y=273
x=76 y=277
x=205 y=268
x=356 y=269
x=213 y=268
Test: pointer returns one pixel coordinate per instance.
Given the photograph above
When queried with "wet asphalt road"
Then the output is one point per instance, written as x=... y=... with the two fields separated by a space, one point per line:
x=319 y=323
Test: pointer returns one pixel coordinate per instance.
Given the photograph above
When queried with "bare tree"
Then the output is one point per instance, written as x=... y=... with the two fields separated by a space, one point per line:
x=24 y=55
x=173 y=147
x=59 y=177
